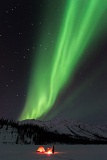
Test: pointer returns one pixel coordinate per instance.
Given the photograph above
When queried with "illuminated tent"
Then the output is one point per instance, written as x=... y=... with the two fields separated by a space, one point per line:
x=41 y=149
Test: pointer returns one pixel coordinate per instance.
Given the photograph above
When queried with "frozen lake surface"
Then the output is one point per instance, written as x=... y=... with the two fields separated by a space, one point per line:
x=62 y=152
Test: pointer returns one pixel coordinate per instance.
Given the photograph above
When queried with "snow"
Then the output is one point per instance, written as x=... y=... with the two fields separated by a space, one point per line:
x=71 y=152
x=70 y=127
x=11 y=134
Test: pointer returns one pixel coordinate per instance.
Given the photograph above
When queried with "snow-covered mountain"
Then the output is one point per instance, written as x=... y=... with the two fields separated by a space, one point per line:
x=58 y=131
x=71 y=128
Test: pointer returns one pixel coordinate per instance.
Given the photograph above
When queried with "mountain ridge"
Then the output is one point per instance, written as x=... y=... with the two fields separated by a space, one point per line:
x=71 y=127
x=53 y=131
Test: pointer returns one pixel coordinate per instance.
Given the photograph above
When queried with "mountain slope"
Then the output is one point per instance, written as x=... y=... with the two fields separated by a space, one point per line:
x=54 y=131
x=71 y=128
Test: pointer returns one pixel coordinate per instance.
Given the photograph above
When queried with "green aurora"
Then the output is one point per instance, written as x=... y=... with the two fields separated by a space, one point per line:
x=53 y=69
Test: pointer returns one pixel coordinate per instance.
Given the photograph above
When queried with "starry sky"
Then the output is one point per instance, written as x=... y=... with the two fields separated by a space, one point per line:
x=24 y=27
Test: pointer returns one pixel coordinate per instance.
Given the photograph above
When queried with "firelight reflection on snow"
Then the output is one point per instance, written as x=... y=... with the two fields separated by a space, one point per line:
x=49 y=77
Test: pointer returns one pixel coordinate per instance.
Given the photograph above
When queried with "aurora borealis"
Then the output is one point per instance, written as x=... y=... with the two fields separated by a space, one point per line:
x=53 y=60
x=57 y=66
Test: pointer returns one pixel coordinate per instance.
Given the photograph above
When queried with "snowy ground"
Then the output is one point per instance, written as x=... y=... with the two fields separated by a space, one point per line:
x=67 y=152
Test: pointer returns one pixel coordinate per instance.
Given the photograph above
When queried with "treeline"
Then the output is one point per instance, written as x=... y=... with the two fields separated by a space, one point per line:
x=34 y=134
x=6 y=122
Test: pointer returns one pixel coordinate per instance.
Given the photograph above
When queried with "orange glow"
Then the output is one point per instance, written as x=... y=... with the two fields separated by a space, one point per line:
x=49 y=151
x=41 y=149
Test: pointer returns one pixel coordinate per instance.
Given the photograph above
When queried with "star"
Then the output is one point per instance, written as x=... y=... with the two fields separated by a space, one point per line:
x=7 y=12
x=11 y=80
x=20 y=33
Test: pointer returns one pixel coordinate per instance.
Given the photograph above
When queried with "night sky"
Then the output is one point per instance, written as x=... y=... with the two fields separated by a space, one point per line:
x=29 y=31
